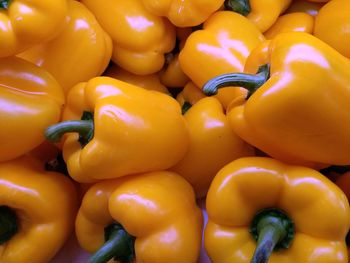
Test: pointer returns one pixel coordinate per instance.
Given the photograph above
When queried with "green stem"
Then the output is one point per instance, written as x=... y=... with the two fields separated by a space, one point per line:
x=4 y=4
x=119 y=245
x=239 y=6
x=8 y=224
x=185 y=107
x=248 y=81
x=273 y=230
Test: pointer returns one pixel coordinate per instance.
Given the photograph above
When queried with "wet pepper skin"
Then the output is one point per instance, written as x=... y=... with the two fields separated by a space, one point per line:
x=45 y=204
x=140 y=39
x=26 y=23
x=31 y=100
x=299 y=114
x=82 y=42
x=158 y=208
x=318 y=208
x=135 y=130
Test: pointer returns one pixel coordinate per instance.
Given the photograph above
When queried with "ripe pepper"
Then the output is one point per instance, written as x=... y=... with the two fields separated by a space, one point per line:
x=148 y=218
x=184 y=13
x=115 y=129
x=213 y=144
x=289 y=118
x=293 y=22
x=263 y=14
x=305 y=7
x=26 y=23
x=149 y=82
x=189 y=96
x=221 y=47
x=37 y=211
x=82 y=42
x=30 y=99
x=293 y=210
x=140 y=39
x=332 y=25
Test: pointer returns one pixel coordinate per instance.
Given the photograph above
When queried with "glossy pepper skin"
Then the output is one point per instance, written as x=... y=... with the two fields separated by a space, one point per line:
x=293 y=22
x=157 y=208
x=140 y=39
x=213 y=144
x=134 y=130
x=263 y=14
x=221 y=47
x=332 y=25
x=305 y=7
x=184 y=13
x=317 y=207
x=26 y=23
x=82 y=42
x=31 y=100
x=299 y=113
x=45 y=206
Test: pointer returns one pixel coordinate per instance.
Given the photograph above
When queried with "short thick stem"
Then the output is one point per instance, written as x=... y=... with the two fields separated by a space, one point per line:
x=8 y=224
x=247 y=81
x=4 y=4
x=239 y=6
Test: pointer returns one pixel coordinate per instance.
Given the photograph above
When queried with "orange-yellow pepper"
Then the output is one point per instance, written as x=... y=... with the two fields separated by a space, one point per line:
x=149 y=82
x=293 y=209
x=213 y=144
x=147 y=218
x=116 y=129
x=343 y=181
x=297 y=109
x=26 y=23
x=293 y=22
x=332 y=25
x=183 y=13
x=189 y=96
x=80 y=52
x=31 y=100
x=140 y=39
x=262 y=13
x=221 y=47
x=305 y=7
x=37 y=211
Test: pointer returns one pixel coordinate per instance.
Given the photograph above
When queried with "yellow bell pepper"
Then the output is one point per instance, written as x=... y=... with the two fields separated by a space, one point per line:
x=116 y=129
x=189 y=96
x=221 y=47
x=293 y=22
x=140 y=39
x=149 y=82
x=332 y=25
x=297 y=105
x=150 y=218
x=31 y=100
x=262 y=13
x=184 y=13
x=26 y=23
x=272 y=212
x=81 y=51
x=37 y=211
x=213 y=144
x=305 y=7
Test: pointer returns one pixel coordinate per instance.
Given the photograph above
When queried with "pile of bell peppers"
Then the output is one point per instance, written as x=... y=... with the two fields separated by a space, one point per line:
x=120 y=117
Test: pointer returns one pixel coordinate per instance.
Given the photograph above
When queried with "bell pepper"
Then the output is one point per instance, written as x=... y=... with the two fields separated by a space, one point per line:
x=31 y=100
x=221 y=47
x=184 y=13
x=213 y=144
x=262 y=13
x=151 y=217
x=116 y=129
x=293 y=22
x=26 y=23
x=140 y=39
x=304 y=6
x=332 y=25
x=82 y=42
x=37 y=211
x=149 y=82
x=296 y=109
x=189 y=96
x=272 y=212
x=343 y=181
